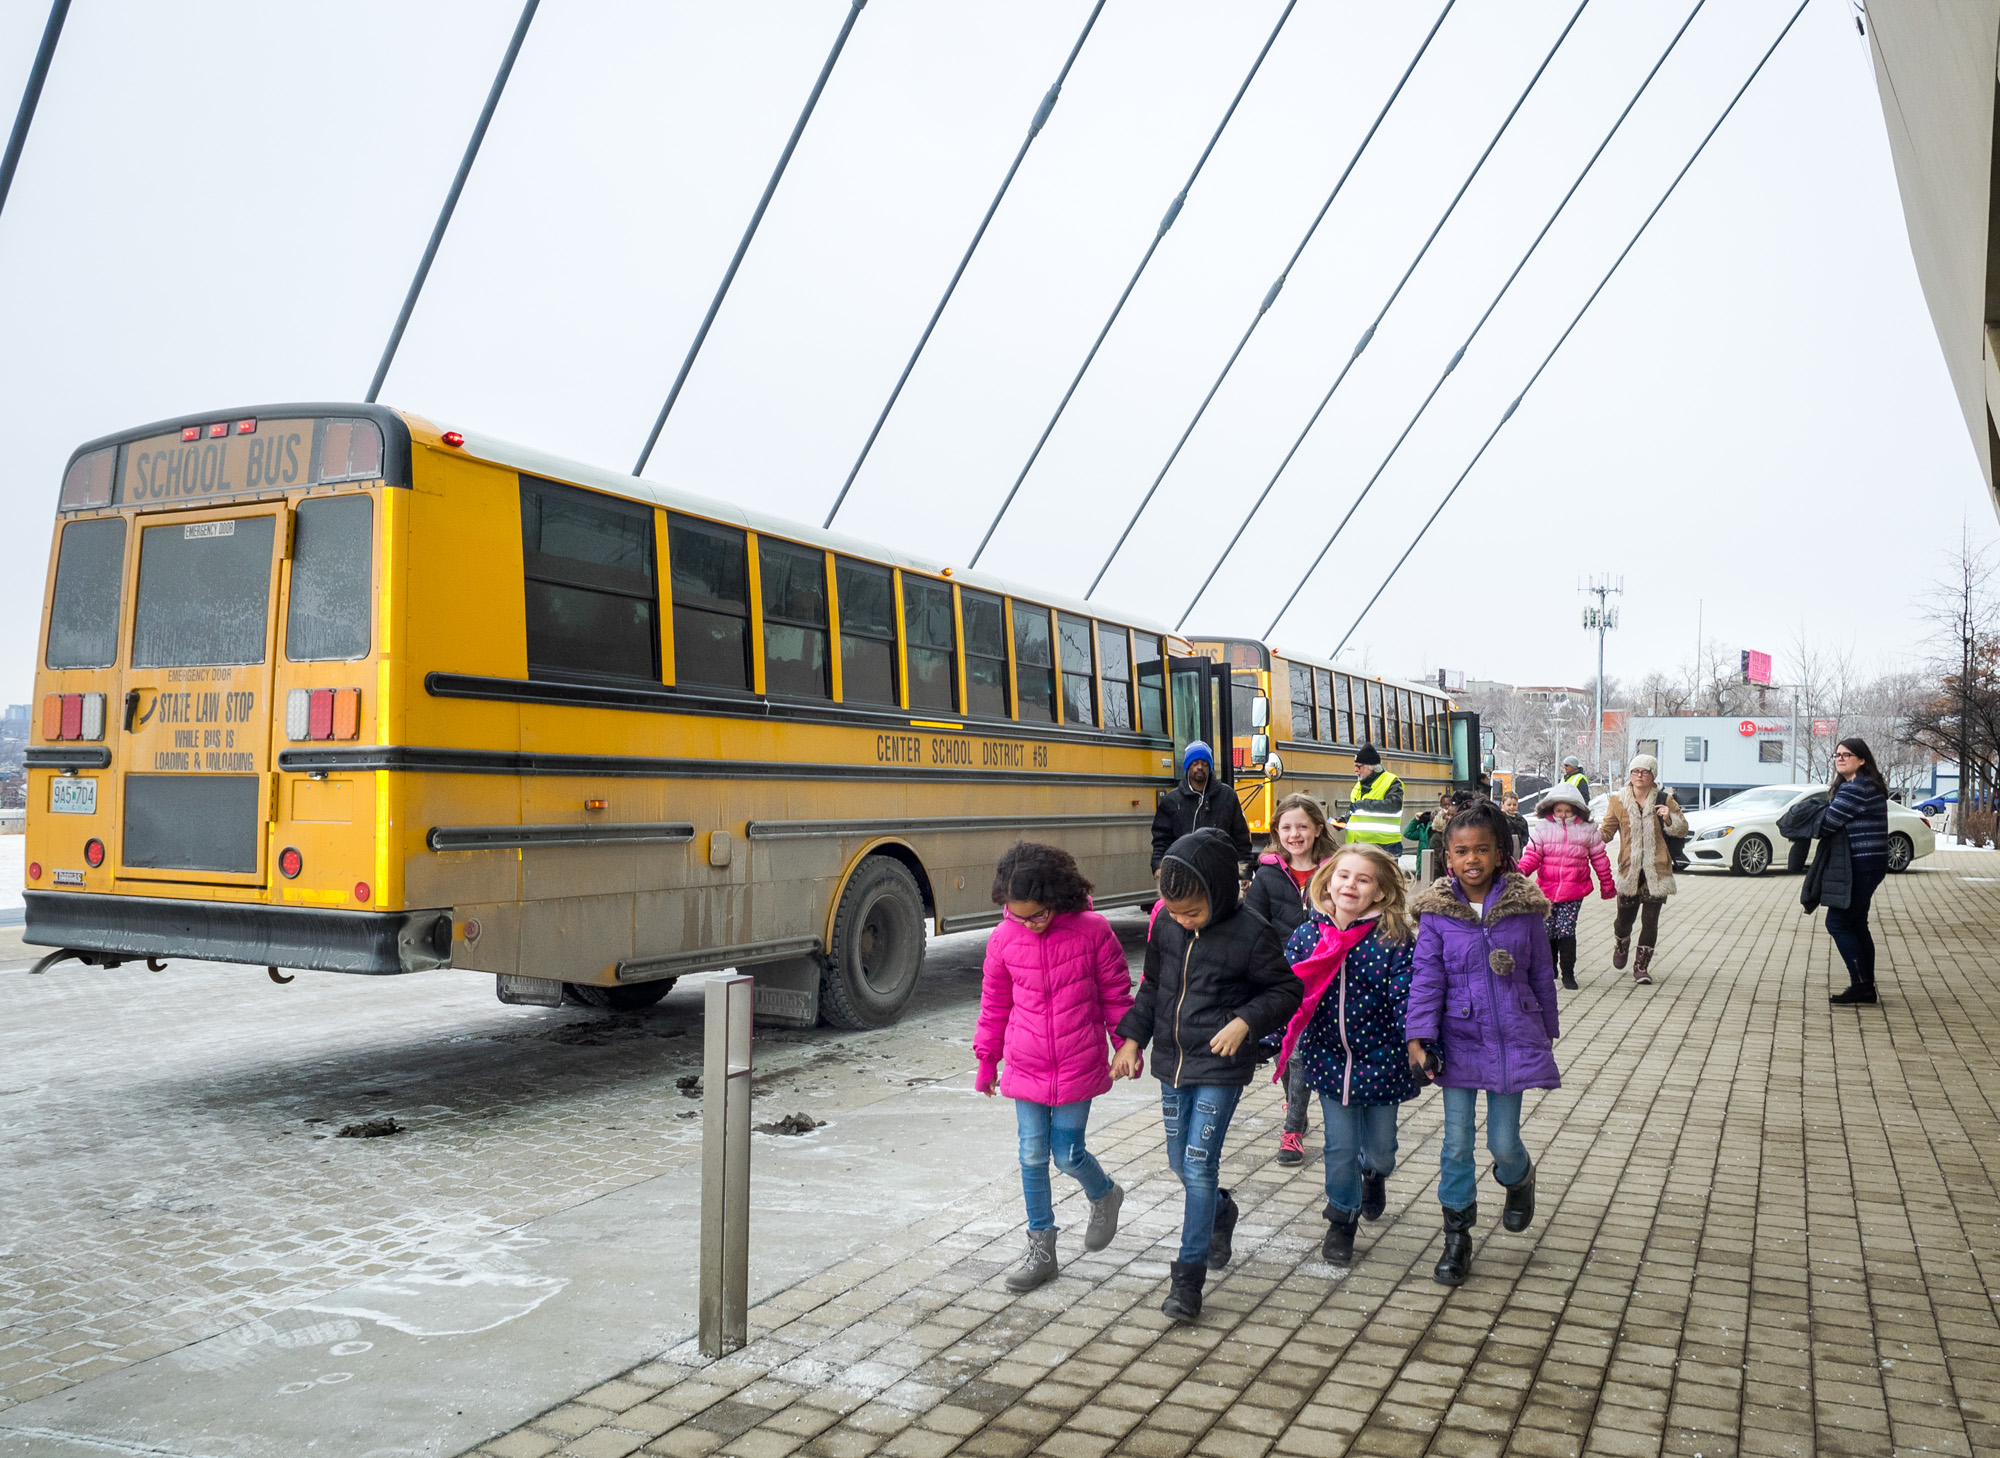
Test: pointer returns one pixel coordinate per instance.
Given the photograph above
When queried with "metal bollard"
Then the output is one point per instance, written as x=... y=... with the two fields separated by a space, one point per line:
x=725 y=1164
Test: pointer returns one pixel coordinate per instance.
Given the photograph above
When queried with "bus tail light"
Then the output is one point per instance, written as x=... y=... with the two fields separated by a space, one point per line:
x=290 y=863
x=361 y=891
x=34 y=870
x=323 y=714
x=72 y=716
x=93 y=853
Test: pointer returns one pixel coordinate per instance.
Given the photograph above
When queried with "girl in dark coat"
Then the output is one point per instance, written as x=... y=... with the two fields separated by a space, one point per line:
x=1858 y=810
x=1346 y=1040
x=1216 y=980
x=1485 y=990
x=1278 y=894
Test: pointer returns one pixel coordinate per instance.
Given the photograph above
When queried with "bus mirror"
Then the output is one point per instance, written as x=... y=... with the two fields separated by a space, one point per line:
x=1274 y=768
x=1260 y=715
x=1260 y=749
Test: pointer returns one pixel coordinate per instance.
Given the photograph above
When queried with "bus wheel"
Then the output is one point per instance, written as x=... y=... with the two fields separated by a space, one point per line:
x=634 y=997
x=878 y=947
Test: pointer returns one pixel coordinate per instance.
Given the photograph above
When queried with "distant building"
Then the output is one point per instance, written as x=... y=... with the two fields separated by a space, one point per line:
x=1741 y=751
x=14 y=724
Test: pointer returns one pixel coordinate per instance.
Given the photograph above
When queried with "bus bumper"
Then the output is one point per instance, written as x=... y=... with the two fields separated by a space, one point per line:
x=377 y=942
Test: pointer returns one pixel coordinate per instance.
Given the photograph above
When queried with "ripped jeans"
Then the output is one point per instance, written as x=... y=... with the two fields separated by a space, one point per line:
x=1197 y=1120
x=1055 y=1131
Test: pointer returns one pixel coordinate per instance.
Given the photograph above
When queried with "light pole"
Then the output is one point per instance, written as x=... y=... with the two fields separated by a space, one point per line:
x=1601 y=618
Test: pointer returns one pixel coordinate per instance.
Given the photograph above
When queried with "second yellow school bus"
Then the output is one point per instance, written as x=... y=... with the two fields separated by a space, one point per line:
x=328 y=686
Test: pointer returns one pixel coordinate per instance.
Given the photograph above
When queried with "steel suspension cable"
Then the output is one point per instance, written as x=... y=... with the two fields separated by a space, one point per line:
x=1508 y=414
x=743 y=245
x=1270 y=298
x=451 y=199
x=31 y=96
x=1034 y=130
x=1173 y=212
x=1453 y=363
x=1368 y=334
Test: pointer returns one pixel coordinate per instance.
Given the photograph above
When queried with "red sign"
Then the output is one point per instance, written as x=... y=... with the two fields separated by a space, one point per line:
x=1747 y=728
x=1756 y=666
x=1750 y=727
x=1823 y=728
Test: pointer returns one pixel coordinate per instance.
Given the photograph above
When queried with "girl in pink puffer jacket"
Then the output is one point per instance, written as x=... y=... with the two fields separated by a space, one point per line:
x=1563 y=849
x=1055 y=985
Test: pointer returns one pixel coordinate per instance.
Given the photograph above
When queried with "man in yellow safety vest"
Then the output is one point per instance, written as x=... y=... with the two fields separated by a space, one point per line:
x=1573 y=775
x=1375 y=814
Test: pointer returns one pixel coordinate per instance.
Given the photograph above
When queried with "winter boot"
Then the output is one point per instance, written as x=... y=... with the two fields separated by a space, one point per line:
x=1569 y=982
x=1104 y=1218
x=1291 y=1148
x=1219 y=1247
x=1338 y=1247
x=1374 y=1195
x=1519 y=1212
x=1039 y=1266
x=1456 y=1262
x=1639 y=965
x=1183 y=1302
x=1620 y=950
x=1857 y=995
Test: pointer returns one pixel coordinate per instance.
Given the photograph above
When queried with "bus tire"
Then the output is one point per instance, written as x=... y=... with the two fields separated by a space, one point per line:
x=878 y=947
x=632 y=997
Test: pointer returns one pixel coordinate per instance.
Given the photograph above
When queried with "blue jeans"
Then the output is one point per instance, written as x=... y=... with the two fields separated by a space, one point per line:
x=1358 y=1137
x=1055 y=1131
x=1458 y=1184
x=1197 y=1120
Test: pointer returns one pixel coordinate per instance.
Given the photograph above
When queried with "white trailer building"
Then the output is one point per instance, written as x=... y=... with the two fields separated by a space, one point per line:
x=1707 y=759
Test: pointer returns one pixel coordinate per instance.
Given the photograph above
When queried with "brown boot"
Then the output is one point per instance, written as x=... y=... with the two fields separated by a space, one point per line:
x=1639 y=965
x=1620 y=950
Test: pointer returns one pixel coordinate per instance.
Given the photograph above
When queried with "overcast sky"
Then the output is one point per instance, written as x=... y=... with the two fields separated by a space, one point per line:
x=221 y=205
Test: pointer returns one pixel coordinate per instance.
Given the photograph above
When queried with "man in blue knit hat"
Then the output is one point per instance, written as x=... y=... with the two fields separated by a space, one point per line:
x=1200 y=799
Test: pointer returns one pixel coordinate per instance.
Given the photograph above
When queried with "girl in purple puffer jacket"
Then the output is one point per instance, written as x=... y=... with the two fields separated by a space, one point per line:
x=1563 y=849
x=1484 y=990
x=1054 y=987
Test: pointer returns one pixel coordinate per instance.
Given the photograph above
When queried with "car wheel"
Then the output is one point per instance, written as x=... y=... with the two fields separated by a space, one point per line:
x=632 y=997
x=878 y=947
x=1753 y=856
x=1901 y=853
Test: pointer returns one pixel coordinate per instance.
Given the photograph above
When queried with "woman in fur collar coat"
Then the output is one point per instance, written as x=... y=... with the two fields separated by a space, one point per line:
x=1640 y=817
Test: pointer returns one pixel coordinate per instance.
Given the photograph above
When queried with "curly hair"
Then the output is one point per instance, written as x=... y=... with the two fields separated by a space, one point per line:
x=1048 y=874
x=1487 y=816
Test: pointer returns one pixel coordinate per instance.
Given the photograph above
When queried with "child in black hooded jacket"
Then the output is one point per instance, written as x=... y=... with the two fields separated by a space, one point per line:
x=1216 y=981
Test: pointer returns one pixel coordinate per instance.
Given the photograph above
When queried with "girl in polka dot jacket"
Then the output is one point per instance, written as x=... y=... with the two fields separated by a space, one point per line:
x=1354 y=953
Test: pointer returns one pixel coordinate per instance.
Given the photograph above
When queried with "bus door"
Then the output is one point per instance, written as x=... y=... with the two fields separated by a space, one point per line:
x=196 y=705
x=1466 y=749
x=1191 y=711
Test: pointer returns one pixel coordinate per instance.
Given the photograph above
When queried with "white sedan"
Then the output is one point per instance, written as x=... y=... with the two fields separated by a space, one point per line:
x=1741 y=833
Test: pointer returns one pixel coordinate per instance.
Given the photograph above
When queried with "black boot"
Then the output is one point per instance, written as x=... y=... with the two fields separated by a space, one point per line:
x=1456 y=1262
x=1338 y=1247
x=1862 y=994
x=1183 y=1302
x=1219 y=1246
x=1519 y=1212
x=1374 y=1194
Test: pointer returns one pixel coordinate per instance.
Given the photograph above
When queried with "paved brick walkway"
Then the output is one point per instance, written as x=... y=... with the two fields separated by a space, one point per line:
x=1766 y=1226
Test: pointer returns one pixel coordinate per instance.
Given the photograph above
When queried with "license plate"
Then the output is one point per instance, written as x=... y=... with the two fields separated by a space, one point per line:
x=72 y=796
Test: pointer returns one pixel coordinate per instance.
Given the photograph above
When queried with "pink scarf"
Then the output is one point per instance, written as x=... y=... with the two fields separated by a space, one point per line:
x=1318 y=971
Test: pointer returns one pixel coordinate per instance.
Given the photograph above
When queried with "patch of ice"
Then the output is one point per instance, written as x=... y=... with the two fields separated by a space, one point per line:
x=13 y=870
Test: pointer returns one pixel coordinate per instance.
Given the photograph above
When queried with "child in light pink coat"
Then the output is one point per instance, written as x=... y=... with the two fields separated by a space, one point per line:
x=1055 y=985
x=1563 y=849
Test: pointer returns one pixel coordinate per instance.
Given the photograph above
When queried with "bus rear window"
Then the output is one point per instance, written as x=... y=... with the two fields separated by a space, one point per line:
x=83 y=619
x=204 y=593
x=333 y=557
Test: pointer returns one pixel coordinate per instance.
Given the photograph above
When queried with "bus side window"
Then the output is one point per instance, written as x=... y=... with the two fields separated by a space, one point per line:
x=1152 y=684
x=1034 y=663
x=333 y=574
x=867 y=632
x=794 y=586
x=1343 y=689
x=927 y=622
x=83 y=616
x=1079 y=684
x=1302 y=701
x=985 y=652
x=711 y=567
x=1323 y=686
x=589 y=593
x=1114 y=658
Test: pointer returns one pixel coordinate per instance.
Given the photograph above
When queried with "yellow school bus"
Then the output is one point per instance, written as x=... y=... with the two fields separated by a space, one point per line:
x=1296 y=722
x=329 y=686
